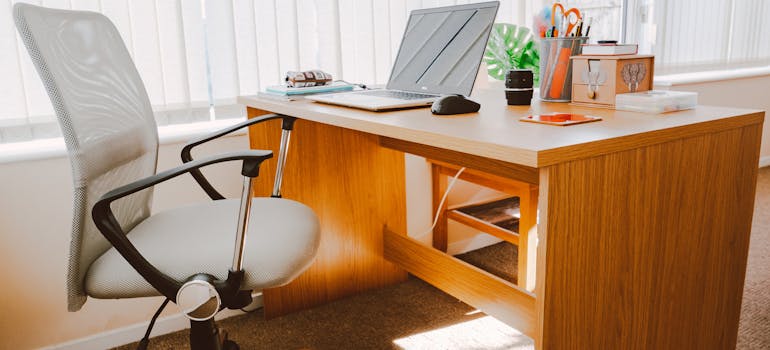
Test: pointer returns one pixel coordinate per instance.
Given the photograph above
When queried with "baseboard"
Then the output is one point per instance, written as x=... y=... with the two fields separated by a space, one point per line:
x=764 y=161
x=132 y=333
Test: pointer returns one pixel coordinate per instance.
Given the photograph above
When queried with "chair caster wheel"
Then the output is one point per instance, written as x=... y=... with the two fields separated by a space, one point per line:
x=230 y=345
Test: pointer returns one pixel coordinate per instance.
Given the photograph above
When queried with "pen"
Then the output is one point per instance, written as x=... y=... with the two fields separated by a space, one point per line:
x=588 y=26
x=579 y=30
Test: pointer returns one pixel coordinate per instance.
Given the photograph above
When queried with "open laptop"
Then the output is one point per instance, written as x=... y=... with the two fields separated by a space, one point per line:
x=440 y=54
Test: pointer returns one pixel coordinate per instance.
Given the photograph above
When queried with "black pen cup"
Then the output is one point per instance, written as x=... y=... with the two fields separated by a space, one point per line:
x=518 y=87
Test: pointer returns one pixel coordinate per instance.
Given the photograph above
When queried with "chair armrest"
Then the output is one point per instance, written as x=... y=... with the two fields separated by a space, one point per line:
x=106 y=223
x=187 y=157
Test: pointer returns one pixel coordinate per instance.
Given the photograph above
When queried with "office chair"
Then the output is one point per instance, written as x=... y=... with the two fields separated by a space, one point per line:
x=118 y=249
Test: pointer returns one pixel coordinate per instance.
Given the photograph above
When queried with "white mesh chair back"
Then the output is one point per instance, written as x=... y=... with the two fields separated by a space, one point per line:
x=105 y=117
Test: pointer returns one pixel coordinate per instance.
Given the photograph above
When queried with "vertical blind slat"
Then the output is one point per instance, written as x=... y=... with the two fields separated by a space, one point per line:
x=307 y=21
x=364 y=41
x=147 y=56
x=398 y=17
x=194 y=37
x=221 y=44
x=381 y=41
x=764 y=44
x=36 y=98
x=172 y=52
x=90 y=5
x=757 y=33
x=287 y=35
x=505 y=12
x=267 y=42
x=246 y=46
x=12 y=92
x=117 y=12
x=329 y=55
x=347 y=39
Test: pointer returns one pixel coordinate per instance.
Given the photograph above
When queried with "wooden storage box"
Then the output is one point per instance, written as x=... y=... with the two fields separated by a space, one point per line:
x=597 y=79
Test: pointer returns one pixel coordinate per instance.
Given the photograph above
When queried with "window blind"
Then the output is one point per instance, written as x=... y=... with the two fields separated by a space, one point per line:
x=192 y=54
x=693 y=35
x=687 y=35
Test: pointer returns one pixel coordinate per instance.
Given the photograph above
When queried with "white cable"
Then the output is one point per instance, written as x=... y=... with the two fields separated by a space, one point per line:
x=443 y=199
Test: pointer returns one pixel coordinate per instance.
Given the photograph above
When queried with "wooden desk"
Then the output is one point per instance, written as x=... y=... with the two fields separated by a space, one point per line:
x=644 y=220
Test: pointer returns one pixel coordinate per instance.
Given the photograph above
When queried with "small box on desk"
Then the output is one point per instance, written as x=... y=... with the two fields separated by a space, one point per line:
x=656 y=102
x=597 y=79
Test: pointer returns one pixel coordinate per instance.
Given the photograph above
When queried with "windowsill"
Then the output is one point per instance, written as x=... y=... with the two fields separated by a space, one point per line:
x=711 y=76
x=171 y=134
x=167 y=135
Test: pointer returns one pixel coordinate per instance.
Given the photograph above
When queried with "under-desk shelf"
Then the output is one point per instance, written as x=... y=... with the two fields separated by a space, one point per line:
x=498 y=217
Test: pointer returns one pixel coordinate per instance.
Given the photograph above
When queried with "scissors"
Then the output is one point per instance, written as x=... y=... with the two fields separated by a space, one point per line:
x=566 y=15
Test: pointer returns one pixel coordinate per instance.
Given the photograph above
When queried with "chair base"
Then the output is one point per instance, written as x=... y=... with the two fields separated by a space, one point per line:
x=204 y=335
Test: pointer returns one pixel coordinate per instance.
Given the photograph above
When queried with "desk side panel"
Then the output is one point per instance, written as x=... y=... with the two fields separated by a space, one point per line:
x=647 y=248
x=356 y=188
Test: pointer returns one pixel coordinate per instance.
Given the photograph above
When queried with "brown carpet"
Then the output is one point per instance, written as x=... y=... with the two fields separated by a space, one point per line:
x=415 y=315
x=499 y=259
x=754 y=331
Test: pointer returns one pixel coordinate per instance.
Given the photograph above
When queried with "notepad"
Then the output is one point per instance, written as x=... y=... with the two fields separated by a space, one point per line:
x=562 y=119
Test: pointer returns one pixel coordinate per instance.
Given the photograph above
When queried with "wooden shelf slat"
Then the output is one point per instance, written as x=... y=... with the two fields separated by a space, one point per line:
x=491 y=294
x=484 y=226
x=486 y=179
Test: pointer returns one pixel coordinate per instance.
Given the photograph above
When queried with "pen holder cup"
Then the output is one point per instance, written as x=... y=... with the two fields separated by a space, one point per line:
x=556 y=67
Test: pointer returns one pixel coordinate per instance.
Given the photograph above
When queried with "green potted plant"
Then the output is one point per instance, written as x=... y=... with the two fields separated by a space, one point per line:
x=511 y=47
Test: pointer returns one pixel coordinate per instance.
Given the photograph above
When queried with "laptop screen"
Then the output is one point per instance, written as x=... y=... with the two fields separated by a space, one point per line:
x=442 y=48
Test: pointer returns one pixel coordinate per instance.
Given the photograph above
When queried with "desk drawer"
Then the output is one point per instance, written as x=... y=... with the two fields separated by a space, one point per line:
x=603 y=94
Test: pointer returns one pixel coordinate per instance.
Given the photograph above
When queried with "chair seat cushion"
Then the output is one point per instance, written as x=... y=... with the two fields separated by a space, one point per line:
x=282 y=239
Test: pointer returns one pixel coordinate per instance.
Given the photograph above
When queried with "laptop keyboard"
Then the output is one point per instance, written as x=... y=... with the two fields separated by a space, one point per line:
x=403 y=95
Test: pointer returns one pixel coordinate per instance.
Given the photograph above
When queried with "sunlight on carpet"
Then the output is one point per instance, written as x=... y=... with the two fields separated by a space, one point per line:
x=482 y=333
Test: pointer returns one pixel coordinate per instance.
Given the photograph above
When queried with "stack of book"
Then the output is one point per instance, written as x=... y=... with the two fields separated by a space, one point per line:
x=609 y=49
x=285 y=93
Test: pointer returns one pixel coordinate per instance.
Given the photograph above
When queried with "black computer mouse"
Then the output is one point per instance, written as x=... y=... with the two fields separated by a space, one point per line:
x=454 y=104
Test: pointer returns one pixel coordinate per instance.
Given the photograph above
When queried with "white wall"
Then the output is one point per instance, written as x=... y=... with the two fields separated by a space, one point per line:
x=35 y=214
x=751 y=92
x=420 y=212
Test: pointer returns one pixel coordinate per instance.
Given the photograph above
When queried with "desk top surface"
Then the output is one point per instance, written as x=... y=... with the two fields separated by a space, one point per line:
x=496 y=132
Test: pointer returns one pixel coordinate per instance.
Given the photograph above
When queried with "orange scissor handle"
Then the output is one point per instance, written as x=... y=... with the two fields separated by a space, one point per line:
x=566 y=14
